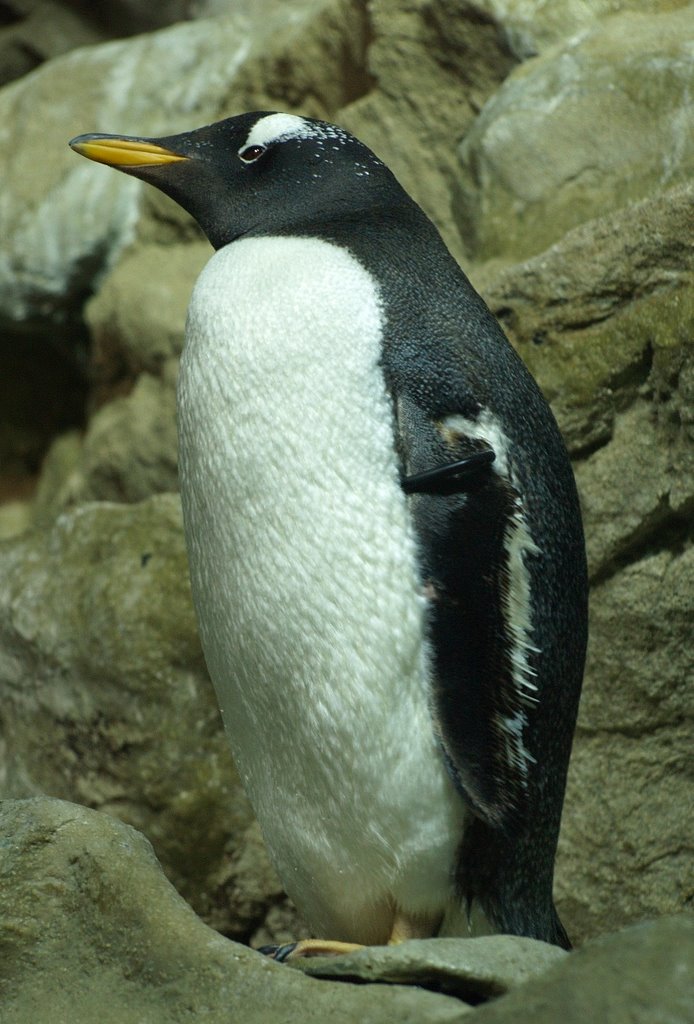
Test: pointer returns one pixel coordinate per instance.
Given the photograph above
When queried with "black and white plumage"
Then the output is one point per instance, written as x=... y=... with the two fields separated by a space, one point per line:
x=397 y=646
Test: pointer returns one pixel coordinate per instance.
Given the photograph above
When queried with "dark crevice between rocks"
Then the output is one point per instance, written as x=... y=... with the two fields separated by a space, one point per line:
x=9 y=15
x=663 y=530
x=120 y=18
x=472 y=992
x=43 y=393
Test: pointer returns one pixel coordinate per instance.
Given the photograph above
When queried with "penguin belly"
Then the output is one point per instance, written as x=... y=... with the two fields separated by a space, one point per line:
x=303 y=565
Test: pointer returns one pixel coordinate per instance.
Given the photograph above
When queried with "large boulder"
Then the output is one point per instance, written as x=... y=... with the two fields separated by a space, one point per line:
x=106 y=700
x=578 y=132
x=91 y=930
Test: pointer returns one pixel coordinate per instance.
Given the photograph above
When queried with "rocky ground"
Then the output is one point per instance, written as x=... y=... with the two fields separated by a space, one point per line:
x=554 y=147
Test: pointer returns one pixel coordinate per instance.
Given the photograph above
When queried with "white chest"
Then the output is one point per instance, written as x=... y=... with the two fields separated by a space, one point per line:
x=304 y=578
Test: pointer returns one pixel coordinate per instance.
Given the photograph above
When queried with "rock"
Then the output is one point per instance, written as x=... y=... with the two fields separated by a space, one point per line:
x=475 y=970
x=642 y=975
x=105 y=697
x=128 y=453
x=625 y=850
x=530 y=26
x=91 y=930
x=137 y=319
x=130 y=449
x=434 y=65
x=578 y=132
x=33 y=31
x=637 y=490
x=596 y=312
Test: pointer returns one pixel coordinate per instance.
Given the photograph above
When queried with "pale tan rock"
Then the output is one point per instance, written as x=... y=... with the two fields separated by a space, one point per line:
x=578 y=132
x=90 y=930
x=531 y=26
x=625 y=850
x=105 y=696
x=137 y=319
x=642 y=975
x=598 y=312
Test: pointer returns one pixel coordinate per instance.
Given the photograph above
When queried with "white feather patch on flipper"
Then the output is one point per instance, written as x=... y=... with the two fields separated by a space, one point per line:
x=516 y=597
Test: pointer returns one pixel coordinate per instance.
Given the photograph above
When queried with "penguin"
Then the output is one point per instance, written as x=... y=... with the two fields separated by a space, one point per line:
x=385 y=543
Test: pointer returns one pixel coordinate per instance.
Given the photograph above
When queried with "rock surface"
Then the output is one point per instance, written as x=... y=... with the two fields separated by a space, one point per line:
x=106 y=700
x=579 y=131
x=566 y=113
x=91 y=930
x=642 y=975
x=475 y=970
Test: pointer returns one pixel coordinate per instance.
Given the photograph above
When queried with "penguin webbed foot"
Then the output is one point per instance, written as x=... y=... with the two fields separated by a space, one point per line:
x=452 y=478
x=308 y=947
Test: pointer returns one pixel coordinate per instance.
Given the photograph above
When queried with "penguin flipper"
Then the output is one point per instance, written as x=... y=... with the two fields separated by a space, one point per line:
x=474 y=544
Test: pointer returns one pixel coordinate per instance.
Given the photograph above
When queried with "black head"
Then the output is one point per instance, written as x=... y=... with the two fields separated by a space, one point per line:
x=255 y=174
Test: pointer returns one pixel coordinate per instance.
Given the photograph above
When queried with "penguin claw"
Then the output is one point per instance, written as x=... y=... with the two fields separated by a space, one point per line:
x=278 y=953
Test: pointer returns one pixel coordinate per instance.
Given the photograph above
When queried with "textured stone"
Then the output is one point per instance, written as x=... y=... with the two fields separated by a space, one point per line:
x=91 y=930
x=626 y=849
x=475 y=970
x=638 y=490
x=136 y=321
x=105 y=697
x=434 y=64
x=579 y=132
x=130 y=449
x=642 y=975
x=599 y=310
x=530 y=26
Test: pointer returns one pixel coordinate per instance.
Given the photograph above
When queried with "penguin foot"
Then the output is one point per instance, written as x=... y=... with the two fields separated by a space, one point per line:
x=308 y=947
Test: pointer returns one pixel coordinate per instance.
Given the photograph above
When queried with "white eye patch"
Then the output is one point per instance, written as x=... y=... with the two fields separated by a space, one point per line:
x=280 y=127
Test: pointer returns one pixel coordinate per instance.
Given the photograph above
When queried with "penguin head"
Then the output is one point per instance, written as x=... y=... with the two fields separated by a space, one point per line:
x=254 y=174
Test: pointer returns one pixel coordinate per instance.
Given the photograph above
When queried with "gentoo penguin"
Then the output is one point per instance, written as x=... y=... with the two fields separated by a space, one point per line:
x=384 y=537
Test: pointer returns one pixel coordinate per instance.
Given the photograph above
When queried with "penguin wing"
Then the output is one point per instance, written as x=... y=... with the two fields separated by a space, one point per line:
x=474 y=546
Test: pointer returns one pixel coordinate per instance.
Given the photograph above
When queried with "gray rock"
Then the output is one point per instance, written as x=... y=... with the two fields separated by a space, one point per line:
x=601 y=310
x=625 y=850
x=475 y=970
x=137 y=318
x=642 y=975
x=531 y=26
x=578 y=132
x=105 y=696
x=91 y=930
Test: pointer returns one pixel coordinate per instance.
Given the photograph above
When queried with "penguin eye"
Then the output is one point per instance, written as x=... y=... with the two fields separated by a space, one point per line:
x=251 y=153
